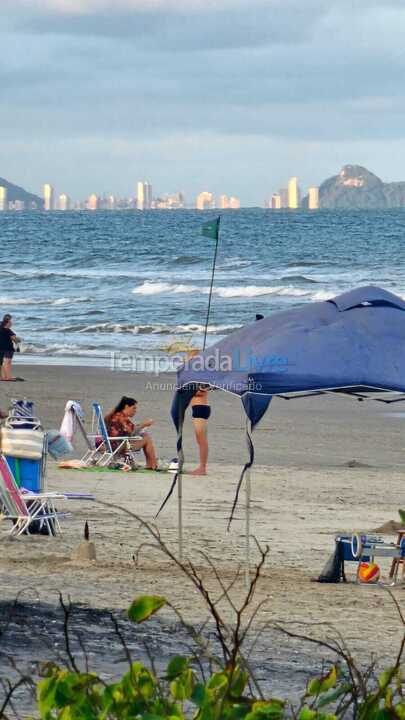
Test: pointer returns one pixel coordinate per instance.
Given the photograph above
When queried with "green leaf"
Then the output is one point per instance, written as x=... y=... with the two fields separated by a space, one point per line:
x=238 y=712
x=324 y=683
x=270 y=710
x=201 y=696
x=218 y=681
x=382 y=715
x=307 y=714
x=400 y=710
x=182 y=687
x=144 y=606
x=385 y=678
x=333 y=695
x=46 y=696
x=239 y=681
x=176 y=666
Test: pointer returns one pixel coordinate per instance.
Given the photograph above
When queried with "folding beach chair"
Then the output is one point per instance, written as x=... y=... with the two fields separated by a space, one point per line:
x=21 y=415
x=25 y=508
x=89 y=441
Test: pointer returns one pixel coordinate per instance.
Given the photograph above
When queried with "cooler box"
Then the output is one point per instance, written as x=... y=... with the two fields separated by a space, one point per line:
x=346 y=544
x=27 y=473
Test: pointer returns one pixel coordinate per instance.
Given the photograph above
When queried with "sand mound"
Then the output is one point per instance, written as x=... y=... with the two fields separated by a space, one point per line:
x=391 y=527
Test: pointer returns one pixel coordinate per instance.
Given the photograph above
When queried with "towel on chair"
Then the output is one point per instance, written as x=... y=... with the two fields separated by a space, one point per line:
x=68 y=426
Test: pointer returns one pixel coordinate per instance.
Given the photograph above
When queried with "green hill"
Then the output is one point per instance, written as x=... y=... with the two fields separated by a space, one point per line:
x=14 y=192
x=355 y=187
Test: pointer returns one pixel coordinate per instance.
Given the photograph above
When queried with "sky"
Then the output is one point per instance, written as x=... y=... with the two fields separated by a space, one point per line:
x=229 y=96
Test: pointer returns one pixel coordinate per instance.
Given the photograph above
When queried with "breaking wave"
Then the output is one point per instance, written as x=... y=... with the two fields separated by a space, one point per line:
x=43 y=301
x=247 y=291
x=61 y=349
x=127 y=328
x=155 y=288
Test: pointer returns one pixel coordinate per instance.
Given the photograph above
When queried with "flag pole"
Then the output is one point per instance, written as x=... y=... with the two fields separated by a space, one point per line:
x=212 y=280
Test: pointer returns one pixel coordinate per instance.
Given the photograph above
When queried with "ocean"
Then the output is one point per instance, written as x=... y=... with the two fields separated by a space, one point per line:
x=83 y=285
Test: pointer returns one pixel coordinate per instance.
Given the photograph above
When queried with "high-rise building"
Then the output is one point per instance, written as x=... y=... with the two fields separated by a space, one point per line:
x=48 y=197
x=275 y=202
x=63 y=202
x=148 y=195
x=234 y=203
x=313 y=198
x=140 y=196
x=92 y=202
x=173 y=201
x=111 y=202
x=205 y=201
x=3 y=199
x=283 y=192
x=144 y=195
x=223 y=202
x=293 y=194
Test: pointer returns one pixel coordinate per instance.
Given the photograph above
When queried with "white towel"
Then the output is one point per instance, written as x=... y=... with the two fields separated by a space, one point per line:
x=68 y=426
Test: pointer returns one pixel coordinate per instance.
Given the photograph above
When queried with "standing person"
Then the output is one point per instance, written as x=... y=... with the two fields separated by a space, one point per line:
x=201 y=412
x=7 y=340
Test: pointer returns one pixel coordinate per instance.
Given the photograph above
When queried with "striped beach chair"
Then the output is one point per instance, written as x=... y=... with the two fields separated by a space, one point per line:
x=25 y=508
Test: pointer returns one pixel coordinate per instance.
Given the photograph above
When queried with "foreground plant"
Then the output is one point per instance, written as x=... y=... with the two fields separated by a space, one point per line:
x=181 y=693
x=207 y=685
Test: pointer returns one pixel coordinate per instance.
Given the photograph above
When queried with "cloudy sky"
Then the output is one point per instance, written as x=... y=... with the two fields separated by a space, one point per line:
x=225 y=95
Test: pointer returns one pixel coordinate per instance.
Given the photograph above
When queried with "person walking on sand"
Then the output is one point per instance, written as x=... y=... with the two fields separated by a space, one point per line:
x=201 y=412
x=8 y=338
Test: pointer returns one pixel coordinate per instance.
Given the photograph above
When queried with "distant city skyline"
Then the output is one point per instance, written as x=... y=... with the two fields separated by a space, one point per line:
x=144 y=199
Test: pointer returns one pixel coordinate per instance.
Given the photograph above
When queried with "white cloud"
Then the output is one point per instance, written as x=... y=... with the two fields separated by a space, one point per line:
x=143 y=79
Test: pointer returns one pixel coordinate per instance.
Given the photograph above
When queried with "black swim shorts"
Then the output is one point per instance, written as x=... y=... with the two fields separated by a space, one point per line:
x=201 y=411
x=8 y=354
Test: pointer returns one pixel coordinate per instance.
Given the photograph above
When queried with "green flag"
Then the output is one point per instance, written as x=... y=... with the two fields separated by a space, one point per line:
x=211 y=228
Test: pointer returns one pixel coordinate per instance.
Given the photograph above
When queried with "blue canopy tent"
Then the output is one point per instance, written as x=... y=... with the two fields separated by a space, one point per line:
x=352 y=344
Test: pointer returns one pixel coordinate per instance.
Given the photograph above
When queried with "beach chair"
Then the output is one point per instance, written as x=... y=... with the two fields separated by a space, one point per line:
x=100 y=451
x=89 y=441
x=25 y=508
x=21 y=415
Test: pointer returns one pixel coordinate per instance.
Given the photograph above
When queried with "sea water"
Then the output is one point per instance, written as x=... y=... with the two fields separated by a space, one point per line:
x=83 y=285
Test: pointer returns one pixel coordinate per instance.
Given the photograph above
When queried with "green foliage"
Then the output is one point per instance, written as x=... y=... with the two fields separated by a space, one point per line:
x=181 y=693
x=144 y=606
x=322 y=684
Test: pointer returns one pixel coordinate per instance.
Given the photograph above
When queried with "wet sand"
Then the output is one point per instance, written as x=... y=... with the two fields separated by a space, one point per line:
x=303 y=492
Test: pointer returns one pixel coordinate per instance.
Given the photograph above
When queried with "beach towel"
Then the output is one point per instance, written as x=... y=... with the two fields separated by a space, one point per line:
x=68 y=426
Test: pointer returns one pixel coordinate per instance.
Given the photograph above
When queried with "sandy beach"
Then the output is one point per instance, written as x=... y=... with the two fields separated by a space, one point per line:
x=304 y=490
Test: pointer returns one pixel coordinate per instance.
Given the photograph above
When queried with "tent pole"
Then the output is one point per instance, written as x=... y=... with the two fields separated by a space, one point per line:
x=247 y=528
x=180 y=513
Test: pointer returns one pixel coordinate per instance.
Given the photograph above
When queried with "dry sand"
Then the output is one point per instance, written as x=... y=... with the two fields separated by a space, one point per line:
x=305 y=488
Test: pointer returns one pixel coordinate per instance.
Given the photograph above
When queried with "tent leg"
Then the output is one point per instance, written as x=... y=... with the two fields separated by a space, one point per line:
x=247 y=529
x=180 y=514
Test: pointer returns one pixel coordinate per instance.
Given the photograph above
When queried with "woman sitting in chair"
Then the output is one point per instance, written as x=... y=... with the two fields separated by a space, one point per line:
x=119 y=424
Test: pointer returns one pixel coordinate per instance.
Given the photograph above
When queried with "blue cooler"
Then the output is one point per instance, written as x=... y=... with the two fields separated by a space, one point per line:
x=27 y=473
x=345 y=542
